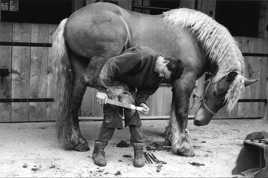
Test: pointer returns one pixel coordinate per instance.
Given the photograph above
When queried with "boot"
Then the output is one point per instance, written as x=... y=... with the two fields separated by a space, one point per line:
x=99 y=154
x=139 y=160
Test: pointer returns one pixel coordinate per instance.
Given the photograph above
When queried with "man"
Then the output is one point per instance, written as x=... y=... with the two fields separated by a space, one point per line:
x=131 y=77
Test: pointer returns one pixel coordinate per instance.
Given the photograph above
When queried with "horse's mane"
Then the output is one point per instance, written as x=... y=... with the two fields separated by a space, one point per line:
x=217 y=42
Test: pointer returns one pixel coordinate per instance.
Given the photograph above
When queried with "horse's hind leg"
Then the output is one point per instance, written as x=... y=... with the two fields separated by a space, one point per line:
x=70 y=135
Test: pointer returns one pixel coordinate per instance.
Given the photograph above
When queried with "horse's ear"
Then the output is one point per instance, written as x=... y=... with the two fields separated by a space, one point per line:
x=231 y=76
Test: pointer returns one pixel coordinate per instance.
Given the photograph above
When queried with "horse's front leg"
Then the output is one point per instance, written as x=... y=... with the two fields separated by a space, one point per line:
x=177 y=134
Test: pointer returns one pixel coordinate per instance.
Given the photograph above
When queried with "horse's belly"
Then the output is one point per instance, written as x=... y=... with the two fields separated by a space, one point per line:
x=90 y=32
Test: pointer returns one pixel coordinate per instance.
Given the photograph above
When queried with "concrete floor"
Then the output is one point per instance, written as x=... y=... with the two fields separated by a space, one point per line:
x=31 y=150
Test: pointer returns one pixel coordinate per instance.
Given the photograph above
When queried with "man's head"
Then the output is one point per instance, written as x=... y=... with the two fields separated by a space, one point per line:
x=168 y=67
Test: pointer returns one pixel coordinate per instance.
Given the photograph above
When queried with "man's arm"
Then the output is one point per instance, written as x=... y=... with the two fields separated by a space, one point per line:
x=143 y=95
x=118 y=66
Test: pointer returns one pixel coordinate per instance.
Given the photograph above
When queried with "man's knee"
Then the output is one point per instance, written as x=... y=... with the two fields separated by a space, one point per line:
x=136 y=134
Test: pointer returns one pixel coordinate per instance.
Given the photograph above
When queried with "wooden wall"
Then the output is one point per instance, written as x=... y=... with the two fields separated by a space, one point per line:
x=30 y=66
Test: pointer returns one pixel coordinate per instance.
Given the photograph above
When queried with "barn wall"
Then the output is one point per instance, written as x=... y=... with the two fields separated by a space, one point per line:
x=30 y=66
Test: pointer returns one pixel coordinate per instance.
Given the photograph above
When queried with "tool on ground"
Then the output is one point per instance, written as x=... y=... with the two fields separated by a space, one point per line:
x=101 y=95
x=150 y=158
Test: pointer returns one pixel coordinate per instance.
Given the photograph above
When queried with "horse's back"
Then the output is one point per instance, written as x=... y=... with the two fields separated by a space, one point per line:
x=93 y=29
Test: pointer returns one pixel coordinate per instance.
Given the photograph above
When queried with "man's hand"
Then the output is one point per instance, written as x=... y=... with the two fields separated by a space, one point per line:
x=145 y=108
x=101 y=98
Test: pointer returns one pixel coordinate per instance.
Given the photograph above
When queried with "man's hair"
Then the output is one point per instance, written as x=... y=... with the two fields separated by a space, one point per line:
x=175 y=66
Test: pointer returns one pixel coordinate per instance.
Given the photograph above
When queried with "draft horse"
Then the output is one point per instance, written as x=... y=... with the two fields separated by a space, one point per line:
x=95 y=33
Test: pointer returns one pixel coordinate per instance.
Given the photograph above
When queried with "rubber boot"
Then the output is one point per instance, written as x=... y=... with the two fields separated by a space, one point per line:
x=99 y=154
x=139 y=160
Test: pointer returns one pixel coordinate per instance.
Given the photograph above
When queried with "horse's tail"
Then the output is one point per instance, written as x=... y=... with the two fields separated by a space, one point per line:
x=62 y=82
x=58 y=41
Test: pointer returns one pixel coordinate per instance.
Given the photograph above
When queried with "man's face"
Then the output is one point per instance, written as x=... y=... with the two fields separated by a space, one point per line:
x=162 y=69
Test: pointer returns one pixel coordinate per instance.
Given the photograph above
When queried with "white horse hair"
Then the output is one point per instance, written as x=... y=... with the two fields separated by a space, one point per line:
x=218 y=43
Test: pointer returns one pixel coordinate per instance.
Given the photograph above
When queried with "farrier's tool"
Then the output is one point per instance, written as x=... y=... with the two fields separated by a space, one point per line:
x=101 y=95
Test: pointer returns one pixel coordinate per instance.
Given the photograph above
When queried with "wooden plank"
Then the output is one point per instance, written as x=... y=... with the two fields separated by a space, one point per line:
x=264 y=79
x=38 y=72
x=248 y=44
x=51 y=83
x=89 y=106
x=256 y=68
x=207 y=6
x=5 y=83
x=253 y=66
x=125 y=4
x=188 y=3
x=21 y=64
x=160 y=102
x=266 y=93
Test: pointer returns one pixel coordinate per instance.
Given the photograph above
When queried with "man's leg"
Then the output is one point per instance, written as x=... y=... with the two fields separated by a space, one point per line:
x=112 y=120
x=136 y=138
x=138 y=144
x=98 y=154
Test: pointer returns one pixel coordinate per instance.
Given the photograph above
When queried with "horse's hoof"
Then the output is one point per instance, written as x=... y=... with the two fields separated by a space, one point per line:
x=184 y=152
x=78 y=144
x=82 y=147
x=201 y=123
x=187 y=153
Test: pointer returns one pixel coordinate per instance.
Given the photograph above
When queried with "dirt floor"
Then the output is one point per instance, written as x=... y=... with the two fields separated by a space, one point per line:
x=31 y=150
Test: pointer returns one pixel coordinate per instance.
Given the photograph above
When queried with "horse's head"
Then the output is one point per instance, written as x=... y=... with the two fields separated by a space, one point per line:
x=217 y=94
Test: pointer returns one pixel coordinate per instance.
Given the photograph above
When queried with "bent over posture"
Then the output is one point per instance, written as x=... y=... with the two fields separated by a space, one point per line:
x=132 y=76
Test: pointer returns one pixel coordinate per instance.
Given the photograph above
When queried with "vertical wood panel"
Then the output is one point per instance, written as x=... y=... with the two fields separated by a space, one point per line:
x=207 y=6
x=89 y=106
x=125 y=4
x=51 y=83
x=160 y=102
x=21 y=63
x=38 y=71
x=253 y=66
x=5 y=61
x=188 y=3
